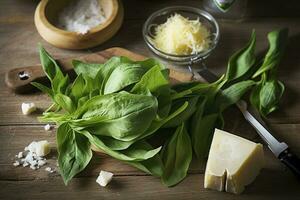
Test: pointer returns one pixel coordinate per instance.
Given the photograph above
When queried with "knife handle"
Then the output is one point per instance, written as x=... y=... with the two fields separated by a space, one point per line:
x=291 y=161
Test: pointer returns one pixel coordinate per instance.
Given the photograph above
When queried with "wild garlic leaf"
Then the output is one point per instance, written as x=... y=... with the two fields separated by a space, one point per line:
x=185 y=115
x=202 y=132
x=141 y=150
x=86 y=69
x=270 y=93
x=139 y=153
x=78 y=87
x=277 y=43
x=74 y=152
x=124 y=75
x=59 y=82
x=176 y=156
x=123 y=111
x=114 y=144
x=240 y=62
x=43 y=88
x=65 y=102
x=155 y=82
x=49 y=65
x=151 y=166
x=232 y=94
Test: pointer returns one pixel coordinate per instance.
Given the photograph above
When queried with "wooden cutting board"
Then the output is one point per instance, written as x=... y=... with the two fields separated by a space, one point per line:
x=19 y=79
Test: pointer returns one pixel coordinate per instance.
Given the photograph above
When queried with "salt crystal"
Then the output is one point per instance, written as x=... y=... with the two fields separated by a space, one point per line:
x=32 y=167
x=28 y=108
x=41 y=163
x=48 y=169
x=20 y=154
x=16 y=163
x=81 y=16
x=47 y=127
x=25 y=164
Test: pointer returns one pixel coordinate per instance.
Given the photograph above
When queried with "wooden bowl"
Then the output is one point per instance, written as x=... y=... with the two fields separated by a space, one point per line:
x=46 y=15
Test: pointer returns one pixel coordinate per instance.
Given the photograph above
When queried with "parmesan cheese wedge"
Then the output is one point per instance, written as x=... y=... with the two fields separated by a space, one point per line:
x=233 y=162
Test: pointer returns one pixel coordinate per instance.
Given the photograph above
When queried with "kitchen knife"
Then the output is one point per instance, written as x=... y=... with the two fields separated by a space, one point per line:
x=279 y=149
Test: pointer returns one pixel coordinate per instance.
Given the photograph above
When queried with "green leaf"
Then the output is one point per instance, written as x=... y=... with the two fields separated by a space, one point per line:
x=233 y=94
x=122 y=76
x=202 y=130
x=78 y=87
x=241 y=62
x=176 y=156
x=49 y=65
x=65 y=102
x=86 y=69
x=139 y=153
x=151 y=166
x=123 y=112
x=185 y=115
x=266 y=96
x=277 y=43
x=155 y=82
x=43 y=88
x=74 y=152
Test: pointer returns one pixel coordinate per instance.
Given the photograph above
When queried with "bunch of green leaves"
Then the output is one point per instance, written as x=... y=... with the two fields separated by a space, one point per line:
x=122 y=106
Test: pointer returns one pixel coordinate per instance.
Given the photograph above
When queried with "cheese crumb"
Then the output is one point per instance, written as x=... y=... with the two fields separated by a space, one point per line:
x=16 y=163
x=41 y=148
x=20 y=154
x=28 y=108
x=81 y=16
x=104 y=178
x=47 y=127
x=49 y=169
x=181 y=36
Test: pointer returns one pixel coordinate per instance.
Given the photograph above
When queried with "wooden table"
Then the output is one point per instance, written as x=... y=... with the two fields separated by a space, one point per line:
x=18 y=47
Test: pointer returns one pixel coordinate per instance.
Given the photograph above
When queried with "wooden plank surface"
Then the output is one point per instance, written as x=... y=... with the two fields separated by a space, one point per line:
x=18 y=42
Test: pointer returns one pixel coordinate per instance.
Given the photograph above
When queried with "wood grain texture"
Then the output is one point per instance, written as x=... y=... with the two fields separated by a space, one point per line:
x=18 y=42
x=129 y=182
x=35 y=73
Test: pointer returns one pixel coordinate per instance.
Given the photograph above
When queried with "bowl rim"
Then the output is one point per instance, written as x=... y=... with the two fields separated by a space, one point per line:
x=42 y=8
x=174 y=57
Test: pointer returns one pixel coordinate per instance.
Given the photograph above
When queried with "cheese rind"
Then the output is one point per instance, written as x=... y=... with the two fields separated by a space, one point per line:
x=233 y=162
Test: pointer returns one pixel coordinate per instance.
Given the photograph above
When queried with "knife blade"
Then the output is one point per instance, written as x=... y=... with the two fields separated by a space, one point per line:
x=279 y=149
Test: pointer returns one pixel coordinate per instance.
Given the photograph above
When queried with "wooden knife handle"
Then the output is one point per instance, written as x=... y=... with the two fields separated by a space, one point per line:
x=291 y=161
x=19 y=79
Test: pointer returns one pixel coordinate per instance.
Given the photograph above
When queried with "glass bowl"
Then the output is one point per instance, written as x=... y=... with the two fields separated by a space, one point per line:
x=161 y=16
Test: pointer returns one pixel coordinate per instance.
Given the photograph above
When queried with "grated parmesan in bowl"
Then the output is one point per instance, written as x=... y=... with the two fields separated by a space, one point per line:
x=81 y=16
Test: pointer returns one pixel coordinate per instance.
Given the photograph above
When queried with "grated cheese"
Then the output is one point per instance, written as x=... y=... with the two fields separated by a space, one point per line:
x=181 y=36
x=81 y=16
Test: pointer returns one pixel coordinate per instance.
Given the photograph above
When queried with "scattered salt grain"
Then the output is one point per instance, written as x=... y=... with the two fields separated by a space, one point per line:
x=20 y=154
x=41 y=163
x=47 y=127
x=49 y=169
x=28 y=108
x=16 y=163
x=81 y=16
x=25 y=164
x=32 y=167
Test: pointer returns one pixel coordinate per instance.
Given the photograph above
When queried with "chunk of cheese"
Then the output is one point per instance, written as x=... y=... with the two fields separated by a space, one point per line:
x=233 y=162
x=104 y=178
x=40 y=148
x=28 y=108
